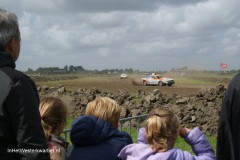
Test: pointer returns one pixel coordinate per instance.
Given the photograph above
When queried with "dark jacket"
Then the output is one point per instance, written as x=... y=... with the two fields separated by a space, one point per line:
x=20 y=124
x=228 y=140
x=95 y=139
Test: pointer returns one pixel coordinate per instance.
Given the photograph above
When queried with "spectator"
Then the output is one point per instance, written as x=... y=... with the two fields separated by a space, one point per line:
x=156 y=140
x=95 y=136
x=228 y=139
x=20 y=123
x=54 y=115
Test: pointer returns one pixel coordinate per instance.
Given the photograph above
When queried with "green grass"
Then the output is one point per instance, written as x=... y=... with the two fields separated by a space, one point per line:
x=189 y=81
x=68 y=126
x=216 y=75
x=181 y=144
x=69 y=122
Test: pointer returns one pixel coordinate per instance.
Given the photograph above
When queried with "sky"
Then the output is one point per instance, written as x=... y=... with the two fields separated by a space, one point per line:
x=138 y=34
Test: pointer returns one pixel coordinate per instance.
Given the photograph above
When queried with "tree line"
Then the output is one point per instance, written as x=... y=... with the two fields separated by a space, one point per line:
x=76 y=69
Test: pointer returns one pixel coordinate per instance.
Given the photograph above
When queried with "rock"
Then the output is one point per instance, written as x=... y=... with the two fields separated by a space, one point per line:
x=61 y=89
x=182 y=101
x=156 y=91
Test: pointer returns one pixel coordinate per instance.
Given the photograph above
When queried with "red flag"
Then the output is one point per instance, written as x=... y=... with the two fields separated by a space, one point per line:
x=223 y=65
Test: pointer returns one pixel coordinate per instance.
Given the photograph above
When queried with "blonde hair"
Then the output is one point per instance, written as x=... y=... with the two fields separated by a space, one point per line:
x=160 y=126
x=104 y=108
x=53 y=115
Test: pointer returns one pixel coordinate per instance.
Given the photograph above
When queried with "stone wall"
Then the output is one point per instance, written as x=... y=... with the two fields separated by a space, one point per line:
x=200 y=110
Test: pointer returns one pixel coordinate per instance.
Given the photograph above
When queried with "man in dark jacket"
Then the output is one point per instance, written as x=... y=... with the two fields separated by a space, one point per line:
x=228 y=140
x=21 y=133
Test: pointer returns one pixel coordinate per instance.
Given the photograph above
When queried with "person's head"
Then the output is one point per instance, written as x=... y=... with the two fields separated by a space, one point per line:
x=104 y=108
x=162 y=128
x=53 y=115
x=9 y=34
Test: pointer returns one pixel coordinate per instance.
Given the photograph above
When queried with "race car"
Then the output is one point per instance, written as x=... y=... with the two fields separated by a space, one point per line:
x=123 y=76
x=155 y=79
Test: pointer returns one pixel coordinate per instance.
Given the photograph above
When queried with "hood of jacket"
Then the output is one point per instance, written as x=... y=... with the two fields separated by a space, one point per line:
x=88 y=130
x=6 y=60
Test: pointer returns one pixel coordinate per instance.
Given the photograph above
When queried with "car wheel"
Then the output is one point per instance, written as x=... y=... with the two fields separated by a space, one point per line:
x=169 y=84
x=145 y=83
x=160 y=83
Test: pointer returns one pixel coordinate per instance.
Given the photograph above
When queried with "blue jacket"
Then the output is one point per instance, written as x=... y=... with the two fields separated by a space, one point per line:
x=96 y=139
x=142 y=151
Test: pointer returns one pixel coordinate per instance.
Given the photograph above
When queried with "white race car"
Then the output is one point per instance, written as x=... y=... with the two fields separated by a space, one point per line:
x=156 y=79
x=123 y=76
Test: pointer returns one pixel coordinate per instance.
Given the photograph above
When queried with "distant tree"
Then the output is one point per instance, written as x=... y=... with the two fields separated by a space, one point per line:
x=66 y=68
x=47 y=70
x=79 y=68
x=105 y=71
x=129 y=70
x=30 y=71
x=120 y=71
x=71 y=68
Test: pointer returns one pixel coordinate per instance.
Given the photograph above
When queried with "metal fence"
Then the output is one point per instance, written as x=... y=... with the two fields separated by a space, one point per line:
x=137 y=121
x=133 y=122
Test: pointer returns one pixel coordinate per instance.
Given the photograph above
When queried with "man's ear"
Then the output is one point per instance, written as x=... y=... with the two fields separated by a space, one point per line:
x=13 y=48
x=10 y=46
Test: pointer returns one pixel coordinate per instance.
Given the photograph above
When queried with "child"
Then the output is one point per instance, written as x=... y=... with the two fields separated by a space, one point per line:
x=95 y=135
x=156 y=140
x=54 y=114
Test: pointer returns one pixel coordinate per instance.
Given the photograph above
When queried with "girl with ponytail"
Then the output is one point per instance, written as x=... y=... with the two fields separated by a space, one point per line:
x=157 y=138
x=53 y=118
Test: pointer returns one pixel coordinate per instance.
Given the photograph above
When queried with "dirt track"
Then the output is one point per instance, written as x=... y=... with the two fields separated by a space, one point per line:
x=114 y=84
x=127 y=85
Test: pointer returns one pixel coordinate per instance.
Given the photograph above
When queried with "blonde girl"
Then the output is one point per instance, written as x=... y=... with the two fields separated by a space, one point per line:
x=53 y=117
x=104 y=108
x=162 y=128
x=157 y=138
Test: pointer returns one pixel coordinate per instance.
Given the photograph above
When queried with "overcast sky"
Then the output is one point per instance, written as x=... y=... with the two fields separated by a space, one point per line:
x=137 y=34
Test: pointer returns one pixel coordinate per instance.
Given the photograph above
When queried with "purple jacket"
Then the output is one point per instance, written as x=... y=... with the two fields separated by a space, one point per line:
x=143 y=151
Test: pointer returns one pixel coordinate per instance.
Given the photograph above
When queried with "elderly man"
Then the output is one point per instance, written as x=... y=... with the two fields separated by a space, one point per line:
x=21 y=134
